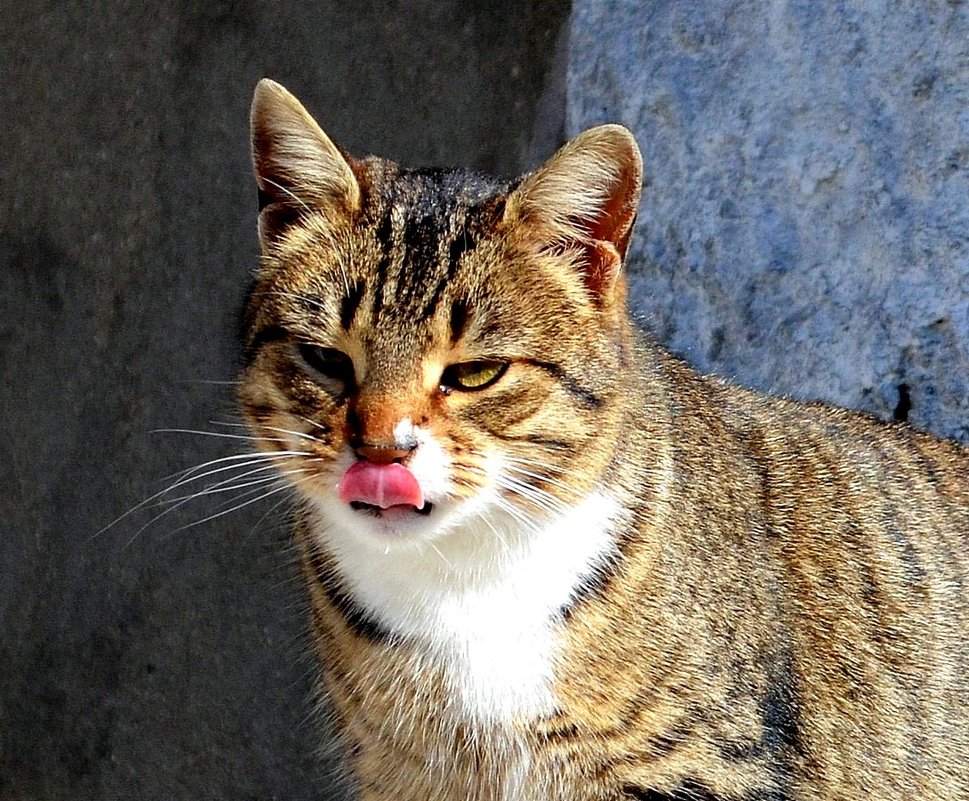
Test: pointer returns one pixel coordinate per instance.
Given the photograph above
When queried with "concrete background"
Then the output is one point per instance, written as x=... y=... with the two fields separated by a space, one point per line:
x=169 y=663
x=804 y=229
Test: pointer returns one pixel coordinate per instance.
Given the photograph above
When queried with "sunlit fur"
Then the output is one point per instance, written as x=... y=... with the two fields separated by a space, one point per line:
x=634 y=582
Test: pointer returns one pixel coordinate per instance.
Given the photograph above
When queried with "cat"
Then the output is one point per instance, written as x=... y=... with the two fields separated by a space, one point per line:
x=548 y=561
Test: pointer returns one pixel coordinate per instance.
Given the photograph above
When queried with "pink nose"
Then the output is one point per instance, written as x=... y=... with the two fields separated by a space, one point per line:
x=382 y=485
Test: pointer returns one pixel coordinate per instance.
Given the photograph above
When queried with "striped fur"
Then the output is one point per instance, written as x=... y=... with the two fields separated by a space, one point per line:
x=631 y=582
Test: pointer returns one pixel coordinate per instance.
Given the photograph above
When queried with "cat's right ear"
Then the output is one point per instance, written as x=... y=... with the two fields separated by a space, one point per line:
x=298 y=168
x=583 y=202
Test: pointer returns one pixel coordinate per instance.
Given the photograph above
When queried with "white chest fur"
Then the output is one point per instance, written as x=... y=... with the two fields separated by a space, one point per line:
x=484 y=600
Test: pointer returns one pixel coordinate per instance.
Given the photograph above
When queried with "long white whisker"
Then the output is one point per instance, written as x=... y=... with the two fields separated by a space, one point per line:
x=219 y=434
x=254 y=455
x=313 y=423
x=268 y=512
x=239 y=462
x=495 y=531
x=229 y=485
x=186 y=477
x=539 y=498
x=180 y=503
x=285 y=486
x=535 y=463
x=289 y=192
x=192 y=474
x=518 y=514
x=300 y=434
x=438 y=552
x=540 y=477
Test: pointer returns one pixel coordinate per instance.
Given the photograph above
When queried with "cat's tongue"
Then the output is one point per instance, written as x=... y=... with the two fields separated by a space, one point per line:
x=382 y=485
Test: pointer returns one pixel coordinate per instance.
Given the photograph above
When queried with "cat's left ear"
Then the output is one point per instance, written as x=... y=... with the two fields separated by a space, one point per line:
x=298 y=168
x=583 y=201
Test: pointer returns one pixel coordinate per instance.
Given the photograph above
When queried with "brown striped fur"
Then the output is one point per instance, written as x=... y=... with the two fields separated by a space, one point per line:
x=783 y=612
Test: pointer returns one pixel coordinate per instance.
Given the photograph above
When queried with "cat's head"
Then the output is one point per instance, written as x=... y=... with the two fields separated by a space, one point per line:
x=432 y=351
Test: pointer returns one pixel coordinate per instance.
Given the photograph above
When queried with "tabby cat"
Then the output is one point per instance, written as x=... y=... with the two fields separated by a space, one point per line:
x=546 y=560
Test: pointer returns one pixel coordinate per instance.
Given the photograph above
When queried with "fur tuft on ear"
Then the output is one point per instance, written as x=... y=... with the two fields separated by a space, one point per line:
x=585 y=199
x=297 y=166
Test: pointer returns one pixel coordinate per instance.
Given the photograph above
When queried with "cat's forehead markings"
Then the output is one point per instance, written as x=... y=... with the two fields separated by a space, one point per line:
x=458 y=319
x=350 y=303
x=429 y=220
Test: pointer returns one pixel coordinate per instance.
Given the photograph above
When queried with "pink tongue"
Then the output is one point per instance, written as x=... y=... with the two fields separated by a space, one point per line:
x=382 y=485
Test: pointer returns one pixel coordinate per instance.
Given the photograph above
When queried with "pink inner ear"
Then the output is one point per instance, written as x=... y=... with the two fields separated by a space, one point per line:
x=604 y=264
x=382 y=485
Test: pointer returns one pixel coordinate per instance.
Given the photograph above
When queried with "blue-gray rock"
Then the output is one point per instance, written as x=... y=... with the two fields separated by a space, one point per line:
x=805 y=219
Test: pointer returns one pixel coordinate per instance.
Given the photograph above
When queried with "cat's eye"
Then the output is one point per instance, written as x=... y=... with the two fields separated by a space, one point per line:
x=473 y=375
x=328 y=362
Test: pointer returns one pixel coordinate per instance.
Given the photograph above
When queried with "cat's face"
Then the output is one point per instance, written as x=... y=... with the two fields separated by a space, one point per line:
x=429 y=351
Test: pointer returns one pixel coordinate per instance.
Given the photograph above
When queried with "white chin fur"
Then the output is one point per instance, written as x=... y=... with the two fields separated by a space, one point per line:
x=477 y=586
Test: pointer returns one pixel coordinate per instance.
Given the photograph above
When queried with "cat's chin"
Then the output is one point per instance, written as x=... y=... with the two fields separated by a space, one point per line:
x=396 y=526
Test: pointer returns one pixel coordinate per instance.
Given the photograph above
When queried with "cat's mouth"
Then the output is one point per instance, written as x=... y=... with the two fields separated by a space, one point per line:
x=400 y=508
x=383 y=490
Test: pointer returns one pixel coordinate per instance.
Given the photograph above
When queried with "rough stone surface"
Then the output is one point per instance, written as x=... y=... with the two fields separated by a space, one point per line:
x=805 y=219
x=169 y=663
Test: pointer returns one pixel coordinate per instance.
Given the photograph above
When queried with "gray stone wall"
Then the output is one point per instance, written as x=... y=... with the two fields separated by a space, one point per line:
x=805 y=219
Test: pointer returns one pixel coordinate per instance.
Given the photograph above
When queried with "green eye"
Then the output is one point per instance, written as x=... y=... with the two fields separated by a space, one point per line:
x=473 y=375
x=328 y=362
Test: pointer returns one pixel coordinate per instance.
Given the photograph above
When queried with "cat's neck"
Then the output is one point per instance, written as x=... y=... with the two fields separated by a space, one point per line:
x=486 y=600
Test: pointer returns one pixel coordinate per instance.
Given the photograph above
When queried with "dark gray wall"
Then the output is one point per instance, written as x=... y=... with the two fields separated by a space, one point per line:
x=169 y=662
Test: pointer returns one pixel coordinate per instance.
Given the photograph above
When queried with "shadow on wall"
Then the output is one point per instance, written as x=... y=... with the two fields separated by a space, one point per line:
x=169 y=662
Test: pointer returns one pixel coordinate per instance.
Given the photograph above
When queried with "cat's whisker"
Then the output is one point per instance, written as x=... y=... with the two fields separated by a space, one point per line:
x=289 y=192
x=546 y=479
x=257 y=488
x=487 y=521
x=268 y=512
x=218 y=434
x=438 y=552
x=240 y=461
x=313 y=423
x=226 y=486
x=299 y=434
x=561 y=471
x=534 y=495
x=285 y=486
x=190 y=475
x=179 y=503
x=538 y=497
x=517 y=513
x=208 y=381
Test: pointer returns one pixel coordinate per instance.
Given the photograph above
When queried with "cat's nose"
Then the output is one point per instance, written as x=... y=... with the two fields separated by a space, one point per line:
x=386 y=454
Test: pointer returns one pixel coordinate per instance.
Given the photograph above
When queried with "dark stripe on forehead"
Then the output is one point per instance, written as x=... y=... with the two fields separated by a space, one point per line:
x=459 y=319
x=464 y=241
x=350 y=304
x=423 y=247
x=385 y=232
